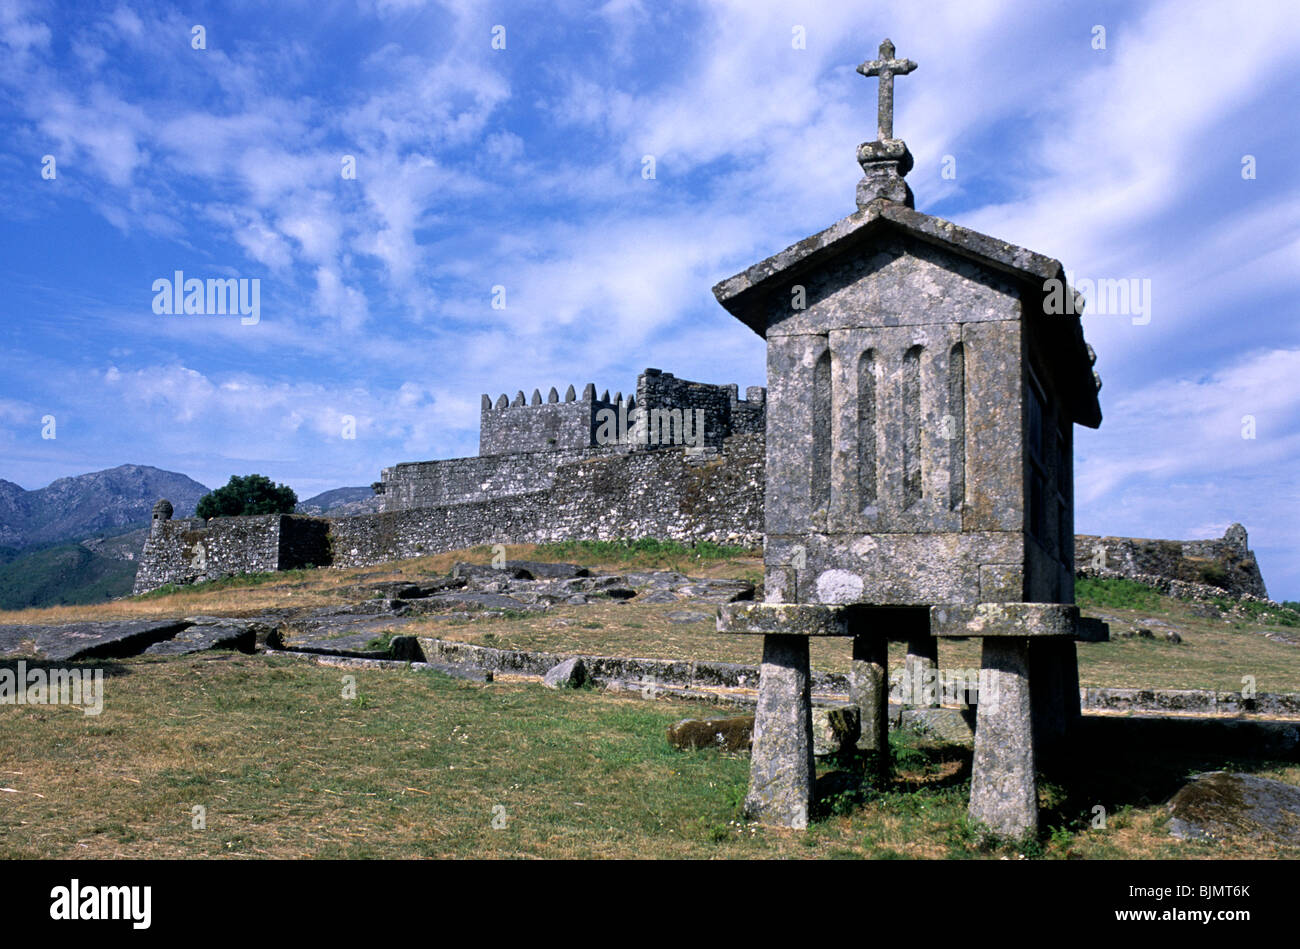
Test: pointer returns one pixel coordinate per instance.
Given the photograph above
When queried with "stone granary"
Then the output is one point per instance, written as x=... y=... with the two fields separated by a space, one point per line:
x=919 y=477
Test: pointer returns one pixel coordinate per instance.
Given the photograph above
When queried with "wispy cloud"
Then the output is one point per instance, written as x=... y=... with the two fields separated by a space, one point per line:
x=477 y=167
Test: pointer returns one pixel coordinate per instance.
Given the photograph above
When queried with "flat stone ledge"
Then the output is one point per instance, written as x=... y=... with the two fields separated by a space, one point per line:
x=783 y=619
x=1033 y=620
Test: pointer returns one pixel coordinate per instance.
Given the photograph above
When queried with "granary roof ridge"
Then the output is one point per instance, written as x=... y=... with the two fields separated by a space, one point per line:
x=740 y=294
x=1018 y=261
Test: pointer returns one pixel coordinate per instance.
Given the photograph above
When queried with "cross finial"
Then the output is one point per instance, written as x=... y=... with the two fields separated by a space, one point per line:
x=886 y=67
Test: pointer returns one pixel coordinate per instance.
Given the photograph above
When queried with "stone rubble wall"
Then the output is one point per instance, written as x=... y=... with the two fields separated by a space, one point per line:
x=459 y=480
x=188 y=550
x=679 y=494
x=674 y=494
x=1188 y=568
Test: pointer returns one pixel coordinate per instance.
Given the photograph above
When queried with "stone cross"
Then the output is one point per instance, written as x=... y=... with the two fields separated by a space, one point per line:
x=886 y=67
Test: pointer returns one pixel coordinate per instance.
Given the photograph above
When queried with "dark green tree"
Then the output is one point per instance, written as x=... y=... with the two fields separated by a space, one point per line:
x=251 y=494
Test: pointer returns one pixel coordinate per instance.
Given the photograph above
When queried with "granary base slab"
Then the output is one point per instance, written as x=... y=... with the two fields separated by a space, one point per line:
x=1016 y=620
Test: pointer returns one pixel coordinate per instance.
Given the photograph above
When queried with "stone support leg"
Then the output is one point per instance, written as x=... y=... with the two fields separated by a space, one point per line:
x=1004 y=790
x=781 y=767
x=920 y=682
x=1070 y=677
x=1046 y=669
x=869 y=690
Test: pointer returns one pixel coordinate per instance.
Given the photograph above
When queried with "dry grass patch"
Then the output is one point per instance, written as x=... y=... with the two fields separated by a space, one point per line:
x=419 y=765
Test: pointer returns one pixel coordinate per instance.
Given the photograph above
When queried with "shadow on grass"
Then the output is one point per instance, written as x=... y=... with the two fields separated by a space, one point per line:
x=1115 y=763
x=109 y=668
x=1140 y=762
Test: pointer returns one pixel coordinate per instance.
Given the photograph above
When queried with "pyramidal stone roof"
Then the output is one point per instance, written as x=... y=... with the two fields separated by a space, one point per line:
x=885 y=204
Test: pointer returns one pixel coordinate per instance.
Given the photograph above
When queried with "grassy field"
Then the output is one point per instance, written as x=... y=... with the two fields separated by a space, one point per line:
x=421 y=765
x=1216 y=652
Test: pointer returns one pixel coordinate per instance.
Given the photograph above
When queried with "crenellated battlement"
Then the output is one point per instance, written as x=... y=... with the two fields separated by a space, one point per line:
x=504 y=402
x=664 y=410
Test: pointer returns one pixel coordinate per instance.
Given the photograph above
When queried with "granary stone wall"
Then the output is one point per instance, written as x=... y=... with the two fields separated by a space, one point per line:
x=1226 y=564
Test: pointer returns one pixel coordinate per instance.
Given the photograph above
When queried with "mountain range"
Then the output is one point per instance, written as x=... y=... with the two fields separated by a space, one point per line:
x=101 y=502
x=78 y=539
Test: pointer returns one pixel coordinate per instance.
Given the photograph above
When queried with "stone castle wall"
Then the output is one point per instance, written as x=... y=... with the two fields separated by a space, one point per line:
x=530 y=426
x=460 y=480
x=659 y=394
x=675 y=494
x=189 y=550
x=682 y=494
x=1180 y=566
x=509 y=427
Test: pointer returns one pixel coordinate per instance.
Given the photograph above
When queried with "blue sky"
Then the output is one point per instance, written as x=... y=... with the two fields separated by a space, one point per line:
x=522 y=167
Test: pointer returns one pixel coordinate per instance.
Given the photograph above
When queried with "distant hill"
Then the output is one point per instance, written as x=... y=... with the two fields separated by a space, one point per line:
x=102 y=502
x=127 y=546
x=341 y=501
x=63 y=574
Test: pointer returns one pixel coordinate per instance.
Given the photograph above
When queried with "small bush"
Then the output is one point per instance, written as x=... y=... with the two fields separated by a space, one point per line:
x=1214 y=574
x=251 y=494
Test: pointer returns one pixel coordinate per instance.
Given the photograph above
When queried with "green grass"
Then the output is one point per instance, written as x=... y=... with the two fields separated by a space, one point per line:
x=418 y=765
x=1114 y=593
x=642 y=550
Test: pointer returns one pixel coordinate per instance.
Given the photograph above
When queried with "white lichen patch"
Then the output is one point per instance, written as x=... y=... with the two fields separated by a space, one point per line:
x=838 y=586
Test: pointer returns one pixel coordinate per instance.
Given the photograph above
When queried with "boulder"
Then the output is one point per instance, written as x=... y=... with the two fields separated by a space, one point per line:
x=658 y=596
x=946 y=724
x=1220 y=804
x=406 y=590
x=463 y=571
x=717 y=591
x=223 y=634
x=114 y=640
x=728 y=734
x=569 y=674
x=548 y=571
x=686 y=616
x=482 y=601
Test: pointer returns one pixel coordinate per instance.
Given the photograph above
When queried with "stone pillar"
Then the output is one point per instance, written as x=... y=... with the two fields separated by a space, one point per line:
x=1004 y=790
x=781 y=763
x=1046 y=665
x=869 y=690
x=921 y=670
x=1070 y=681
